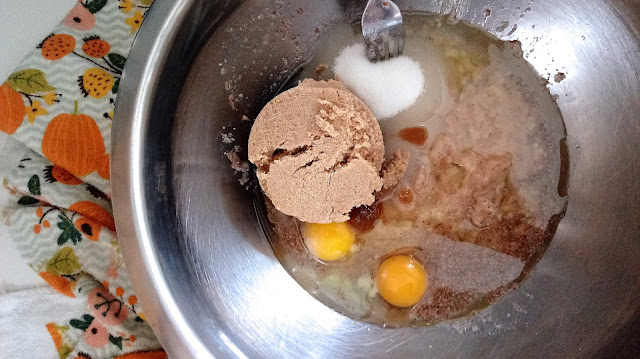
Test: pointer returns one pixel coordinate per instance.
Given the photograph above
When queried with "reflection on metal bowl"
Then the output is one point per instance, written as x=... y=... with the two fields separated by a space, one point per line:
x=199 y=259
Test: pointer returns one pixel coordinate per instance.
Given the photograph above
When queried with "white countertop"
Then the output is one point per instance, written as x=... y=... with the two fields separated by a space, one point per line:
x=23 y=24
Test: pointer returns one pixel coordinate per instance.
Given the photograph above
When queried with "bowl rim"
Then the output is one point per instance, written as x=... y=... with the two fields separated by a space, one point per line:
x=135 y=98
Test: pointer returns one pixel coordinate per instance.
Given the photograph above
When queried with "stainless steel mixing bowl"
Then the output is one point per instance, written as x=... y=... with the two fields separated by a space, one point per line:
x=201 y=265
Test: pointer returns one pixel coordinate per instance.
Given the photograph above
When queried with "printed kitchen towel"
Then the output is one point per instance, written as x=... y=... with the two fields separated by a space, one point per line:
x=59 y=103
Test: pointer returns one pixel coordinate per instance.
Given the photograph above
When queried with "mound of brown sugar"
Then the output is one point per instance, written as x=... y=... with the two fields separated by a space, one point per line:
x=318 y=151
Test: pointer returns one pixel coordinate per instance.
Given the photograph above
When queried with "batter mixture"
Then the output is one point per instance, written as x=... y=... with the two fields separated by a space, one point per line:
x=431 y=209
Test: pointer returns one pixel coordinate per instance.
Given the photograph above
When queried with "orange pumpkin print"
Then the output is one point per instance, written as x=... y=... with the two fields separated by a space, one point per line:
x=93 y=219
x=58 y=174
x=74 y=142
x=12 y=109
x=94 y=212
x=59 y=283
x=95 y=47
x=57 y=46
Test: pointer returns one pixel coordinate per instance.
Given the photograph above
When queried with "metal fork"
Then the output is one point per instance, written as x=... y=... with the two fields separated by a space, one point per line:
x=383 y=30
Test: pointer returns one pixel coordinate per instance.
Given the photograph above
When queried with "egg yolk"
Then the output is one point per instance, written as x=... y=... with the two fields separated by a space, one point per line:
x=401 y=281
x=329 y=241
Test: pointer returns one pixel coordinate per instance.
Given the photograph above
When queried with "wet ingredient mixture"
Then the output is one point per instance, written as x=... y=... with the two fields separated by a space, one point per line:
x=451 y=208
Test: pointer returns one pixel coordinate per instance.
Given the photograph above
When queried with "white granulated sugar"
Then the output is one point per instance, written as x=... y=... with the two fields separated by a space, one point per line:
x=227 y=138
x=387 y=87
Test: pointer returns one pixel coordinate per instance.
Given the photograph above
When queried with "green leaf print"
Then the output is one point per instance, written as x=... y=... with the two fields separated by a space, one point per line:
x=117 y=341
x=64 y=261
x=117 y=60
x=31 y=81
x=34 y=185
x=95 y=5
x=83 y=323
x=116 y=85
x=69 y=232
x=27 y=200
